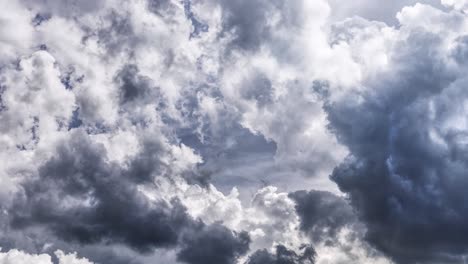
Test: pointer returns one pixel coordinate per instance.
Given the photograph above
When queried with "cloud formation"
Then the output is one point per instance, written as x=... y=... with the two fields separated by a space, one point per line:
x=254 y=132
x=79 y=196
x=213 y=244
x=282 y=256
x=405 y=135
x=19 y=257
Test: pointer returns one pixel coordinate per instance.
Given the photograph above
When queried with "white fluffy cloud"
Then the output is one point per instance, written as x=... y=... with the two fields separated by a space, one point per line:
x=19 y=257
x=16 y=31
x=457 y=4
x=383 y=11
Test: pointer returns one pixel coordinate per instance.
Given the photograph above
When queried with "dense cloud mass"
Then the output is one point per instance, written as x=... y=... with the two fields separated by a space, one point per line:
x=233 y=132
x=80 y=196
x=283 y=256
x=405 y=133
x=322 y=214
x=213 y=244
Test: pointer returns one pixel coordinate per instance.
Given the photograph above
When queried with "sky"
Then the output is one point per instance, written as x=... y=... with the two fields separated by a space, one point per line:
x=233 y=132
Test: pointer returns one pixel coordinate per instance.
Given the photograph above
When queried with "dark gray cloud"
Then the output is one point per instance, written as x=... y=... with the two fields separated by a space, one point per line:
x=331 y=222
x=214 y=244
x=118 y=35
x=132 y=85
x=283 y=255
x=36 y=240
x=66 y=8
x=81 y=197
x=405 y=174
x=40 y=18
x=259 y=89
x=158 y=6
x=323 y=214
x=249 y=22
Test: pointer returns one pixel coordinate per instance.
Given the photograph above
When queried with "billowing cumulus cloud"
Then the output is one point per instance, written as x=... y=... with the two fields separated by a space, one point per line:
x=282 y=255
x=405 y=133
x=251 y=132
x=213 y=244
x=81 y=197
x=20 y=257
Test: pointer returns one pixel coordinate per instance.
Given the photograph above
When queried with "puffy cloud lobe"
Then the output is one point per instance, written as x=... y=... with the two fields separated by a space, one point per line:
x=273 y=220
x=404 y=174
x=247 y=21
x=70 y=258
x=457 y=4
x=213 y=244
x=275 y=105
x=19 y=257
x=35 y=109
x=249 y=25
x=269 y=81
x=323 y=214
x=66 y=8
x=383 y=11
x=132 y=85
x=16 y=31
x=81 y=197
x=104 y=254
x=15 y=256
x=283 y=255
x=270 y=219
x=35 y=103
x=332 y=225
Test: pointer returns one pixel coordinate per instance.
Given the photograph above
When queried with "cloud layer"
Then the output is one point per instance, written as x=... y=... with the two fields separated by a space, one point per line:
x=248 y=131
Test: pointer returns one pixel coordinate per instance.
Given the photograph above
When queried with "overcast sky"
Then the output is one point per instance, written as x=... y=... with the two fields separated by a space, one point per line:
x=233 y=132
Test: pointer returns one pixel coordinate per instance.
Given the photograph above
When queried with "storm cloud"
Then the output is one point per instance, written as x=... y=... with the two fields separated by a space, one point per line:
x=81 y=197
x=405 y=171
x=283 y=256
